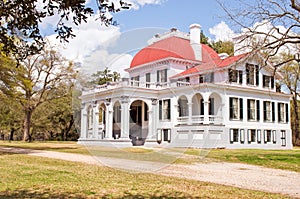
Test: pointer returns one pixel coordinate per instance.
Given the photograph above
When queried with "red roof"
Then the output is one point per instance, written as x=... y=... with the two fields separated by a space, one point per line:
x=170 y=47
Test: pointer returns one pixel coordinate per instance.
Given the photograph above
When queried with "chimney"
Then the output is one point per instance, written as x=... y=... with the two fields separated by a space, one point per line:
x=195 y=36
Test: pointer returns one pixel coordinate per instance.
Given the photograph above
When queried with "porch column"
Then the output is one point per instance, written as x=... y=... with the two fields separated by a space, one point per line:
x=190 y=113
x=95 y=120
x=83 y=129
x=206 y=112
x=109 y=121
x=153 y=117
x=125 y=117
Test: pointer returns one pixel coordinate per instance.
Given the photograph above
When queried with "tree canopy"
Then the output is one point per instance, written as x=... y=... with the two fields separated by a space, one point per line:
x=20 y=20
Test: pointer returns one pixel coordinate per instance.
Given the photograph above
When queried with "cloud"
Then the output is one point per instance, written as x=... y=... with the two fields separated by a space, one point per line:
x=222 y=32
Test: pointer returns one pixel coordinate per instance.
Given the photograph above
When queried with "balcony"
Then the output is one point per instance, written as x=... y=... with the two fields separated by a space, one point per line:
x=200 y=120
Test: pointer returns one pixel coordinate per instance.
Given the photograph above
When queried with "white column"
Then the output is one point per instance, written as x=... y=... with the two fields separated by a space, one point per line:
x=83 y=129
x=125 y=117
x=153 y=117
x=95 y=121
x=190 y=113
x=206 y=112
x=109 y=122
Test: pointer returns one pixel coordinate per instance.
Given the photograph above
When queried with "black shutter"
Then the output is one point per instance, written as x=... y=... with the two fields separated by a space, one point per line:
x=230 y=108
x=248 y=109
x=257 y=74
x=247 y=73
x=273 y=111
x=202 y=107
x=166 y=75
x=169 y=109
x=287 y=115
x=230 y=75
x=265 y=110
x=264 y=81
x=157 y=76
x=241 y=109
x=257 y=110
x=160 y=109
x=240 y=77
x=278 y=112
x=272 y=82
x=211 y=106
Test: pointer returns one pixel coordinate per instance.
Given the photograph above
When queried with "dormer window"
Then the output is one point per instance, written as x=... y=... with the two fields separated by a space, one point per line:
x=252 y=72
x=162 y=76
x=268 y=81
x=235 y=76
x=210 y=78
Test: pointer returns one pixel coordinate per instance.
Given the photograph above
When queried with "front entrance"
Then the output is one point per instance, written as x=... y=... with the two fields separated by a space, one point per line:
x=138 y=122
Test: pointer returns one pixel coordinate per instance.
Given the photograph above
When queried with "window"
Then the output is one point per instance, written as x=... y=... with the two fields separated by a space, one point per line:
x=252 y=72
x=268 y=81
x=164 y=109
x=235 y=76
x=283 y=112
x=162 y=76
x=274 y=136
x=258 y=136
x=242 y=136
x=283 y=138
x=183 y=106
x=251 y=135
x=148 y=80
x=267 y=136
x=135 y=81
x=269 y=111
x=209 y=78
x=234 y=135
x=253 y=110
x=236 y=108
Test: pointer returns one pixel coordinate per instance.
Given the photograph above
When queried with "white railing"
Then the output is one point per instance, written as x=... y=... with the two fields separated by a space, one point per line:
x=214 y=119
x=181 y=83
x=198 y=119
x=183 y=120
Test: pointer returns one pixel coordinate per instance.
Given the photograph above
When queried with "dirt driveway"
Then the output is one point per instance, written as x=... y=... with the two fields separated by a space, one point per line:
x=233 y=174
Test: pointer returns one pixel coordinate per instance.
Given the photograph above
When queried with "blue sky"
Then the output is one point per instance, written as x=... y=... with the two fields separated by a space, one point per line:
x=96 y=47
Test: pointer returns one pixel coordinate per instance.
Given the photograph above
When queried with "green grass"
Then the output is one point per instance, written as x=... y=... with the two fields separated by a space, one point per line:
x=25 y=176
x=278 y=159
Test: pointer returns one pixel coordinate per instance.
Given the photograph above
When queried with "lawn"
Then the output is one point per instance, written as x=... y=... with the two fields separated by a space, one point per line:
x=279 y=159
x=25 y=176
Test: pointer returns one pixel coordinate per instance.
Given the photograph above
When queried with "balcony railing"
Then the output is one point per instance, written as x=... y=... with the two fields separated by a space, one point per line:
x=133 y=83
x=200 y=119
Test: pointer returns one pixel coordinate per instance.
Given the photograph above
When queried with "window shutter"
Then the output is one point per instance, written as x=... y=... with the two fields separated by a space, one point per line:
x=278 y=112
x=169 y=109
x=166 y=76
x=265 y=110
x=247 y=73
x=160 y=109
x=272 y=82
x=257 y=110
x=211 y=106
x=287 y=115
x=265 y=136
x=242 y=135
x=230 y=107
x=169 y=135
x=257 y=74
x=240 y=77
x=259 y=136
x=273 y=111
x=157 y=76
x=202 y=107
x=241 y=108
x=264 y=81
x=248 y=109
x=158 y=136
x=230 y=75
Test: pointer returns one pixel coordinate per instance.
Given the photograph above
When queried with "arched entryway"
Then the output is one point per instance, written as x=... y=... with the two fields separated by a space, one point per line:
x=117 y=120
x=138 y=122
x=102 y=120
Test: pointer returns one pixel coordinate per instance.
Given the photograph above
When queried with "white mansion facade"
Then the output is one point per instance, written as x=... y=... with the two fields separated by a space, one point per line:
x=181 y=93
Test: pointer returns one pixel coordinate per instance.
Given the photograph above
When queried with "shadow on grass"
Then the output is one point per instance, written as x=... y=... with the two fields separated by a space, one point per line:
x=50 y=194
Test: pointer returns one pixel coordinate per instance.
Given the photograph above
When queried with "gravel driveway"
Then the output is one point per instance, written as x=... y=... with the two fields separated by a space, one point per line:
x=233 y=174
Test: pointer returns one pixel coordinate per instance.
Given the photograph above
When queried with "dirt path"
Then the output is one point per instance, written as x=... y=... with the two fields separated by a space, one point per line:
x=233 y=174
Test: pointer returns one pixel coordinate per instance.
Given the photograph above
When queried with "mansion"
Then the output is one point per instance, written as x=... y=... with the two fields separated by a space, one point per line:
x=181 y=93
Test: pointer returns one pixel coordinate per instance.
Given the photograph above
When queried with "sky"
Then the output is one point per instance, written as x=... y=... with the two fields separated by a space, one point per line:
x=96 y=46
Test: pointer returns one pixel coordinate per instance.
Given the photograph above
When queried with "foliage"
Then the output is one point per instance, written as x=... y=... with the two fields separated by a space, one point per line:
x=102 y=77
x=39 y=79
x=223 y=47
x=20 y=21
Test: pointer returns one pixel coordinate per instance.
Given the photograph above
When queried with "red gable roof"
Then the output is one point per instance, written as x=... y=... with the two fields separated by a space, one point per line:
x=170 y=47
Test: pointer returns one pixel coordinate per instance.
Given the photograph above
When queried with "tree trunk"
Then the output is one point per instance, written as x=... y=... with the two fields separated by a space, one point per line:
x=27 y=125
x=11 y=135
x=295 y=127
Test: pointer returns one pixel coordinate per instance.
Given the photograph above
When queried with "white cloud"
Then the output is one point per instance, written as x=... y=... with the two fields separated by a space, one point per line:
x=222 y=32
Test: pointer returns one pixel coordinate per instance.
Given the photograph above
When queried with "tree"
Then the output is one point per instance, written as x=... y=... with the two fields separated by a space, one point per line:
x=223 y=47
x=271 y=27
x=20 y=21
x=39 y=79
x=102 y=77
